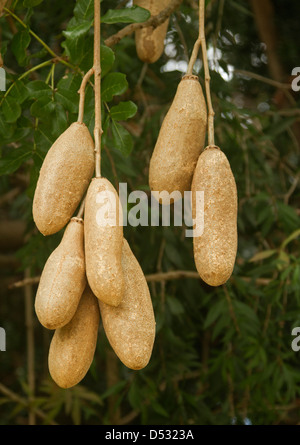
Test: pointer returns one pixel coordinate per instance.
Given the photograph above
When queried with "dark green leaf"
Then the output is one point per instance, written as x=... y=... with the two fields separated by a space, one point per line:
x=78 y=30
x=11 y=109
x=43 y=107
x=38 y=89
x=14 y=159
x=121 y=138
x=113 y=84
x=123 y=111
x=135 y=14
x=19 y=44
x=107 y=59
x=68 y=99
x=19 y=92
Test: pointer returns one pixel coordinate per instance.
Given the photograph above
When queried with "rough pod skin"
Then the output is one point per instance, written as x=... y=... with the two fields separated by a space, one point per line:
x=63 y=279
x=130 y=327
x=215 y=250
x=180 y=140
x=103 y=230
x=64 y=177
x=150 y=42
x=73 y=346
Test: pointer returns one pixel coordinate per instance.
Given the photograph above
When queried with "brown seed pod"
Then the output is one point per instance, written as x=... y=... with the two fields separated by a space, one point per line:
x=180 y=140
x=150 y=42
x=130 y=327
x=73 y=346
x=63 y=279
x=64 y=177
x=215 y=250
x=103 y=241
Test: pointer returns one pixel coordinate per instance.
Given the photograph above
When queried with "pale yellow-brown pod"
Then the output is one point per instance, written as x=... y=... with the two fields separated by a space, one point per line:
x=103 y=232
x=215 y=250
x=65 y=174
x=150 y=42
x=180 y=140
x=73 y=346
x=130 y=327
x=63 y=279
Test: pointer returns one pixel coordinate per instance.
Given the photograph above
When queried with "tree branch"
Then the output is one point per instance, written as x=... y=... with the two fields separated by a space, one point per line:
x=154 y=21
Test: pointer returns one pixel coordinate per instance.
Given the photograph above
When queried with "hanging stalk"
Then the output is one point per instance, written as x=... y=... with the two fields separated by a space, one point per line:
x=97 y=88
x=201 y=41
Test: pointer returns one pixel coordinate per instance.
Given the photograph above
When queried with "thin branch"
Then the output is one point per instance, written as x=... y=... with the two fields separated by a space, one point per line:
x=81 y=93
x=154 y=21
x=196 y=47
x=81 y=209
x=25 y=282
x=60 y=59
x=274 y=83
x=97 y=74
x=211 y=113
x=157 y=277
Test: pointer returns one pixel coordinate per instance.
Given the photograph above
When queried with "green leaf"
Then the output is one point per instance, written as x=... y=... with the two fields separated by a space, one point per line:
x=31 y=3
x=123 y=111
x=84 y=9
x=107 y=59
x=14 y=159
x=175 y=306
x=42 y=107
x=19 y=92
x=159 y=409
x=115 y=389
x=68 y=99
x=214 y=312
x=290 y=238
x=262 y=255
x=70 y=82
x=78 y=30
x=38 y=89
x=19 y=44
x=11 y=109
x=121 y=138
x=113 y=84
x=135 y=14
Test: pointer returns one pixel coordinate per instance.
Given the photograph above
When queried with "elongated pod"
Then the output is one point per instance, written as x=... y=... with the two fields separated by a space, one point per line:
x=103 y=241
x=215 y=250
x=180 y=140
x=130 y=327
x=64 y=177
x=149 y=41
x=63 y=279
x=73 y=346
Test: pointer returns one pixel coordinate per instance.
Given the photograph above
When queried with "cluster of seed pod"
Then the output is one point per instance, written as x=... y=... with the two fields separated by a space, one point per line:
x=92 y=274
x=179 y=151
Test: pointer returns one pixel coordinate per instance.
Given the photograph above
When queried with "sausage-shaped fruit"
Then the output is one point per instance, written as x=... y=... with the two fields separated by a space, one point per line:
x=215 y=250
x=180 y=140
x=103 y=233
x=65 y=174
x=150 y=42
x=130 y=327
x=63 y=279
x=73 y=346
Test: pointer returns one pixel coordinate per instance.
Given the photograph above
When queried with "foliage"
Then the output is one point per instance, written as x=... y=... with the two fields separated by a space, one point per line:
x=221 y=355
